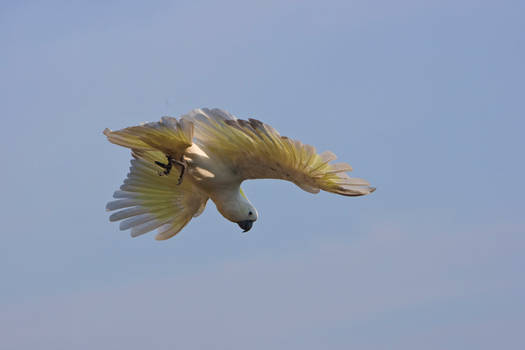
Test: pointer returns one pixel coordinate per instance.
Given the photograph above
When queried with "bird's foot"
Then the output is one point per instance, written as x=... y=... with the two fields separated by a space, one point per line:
x=167 y=167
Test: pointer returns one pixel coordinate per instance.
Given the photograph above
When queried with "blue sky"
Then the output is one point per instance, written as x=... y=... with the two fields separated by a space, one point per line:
x=423 y=99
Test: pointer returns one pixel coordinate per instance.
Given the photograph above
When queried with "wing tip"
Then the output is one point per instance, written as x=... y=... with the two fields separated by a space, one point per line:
x=352 y=190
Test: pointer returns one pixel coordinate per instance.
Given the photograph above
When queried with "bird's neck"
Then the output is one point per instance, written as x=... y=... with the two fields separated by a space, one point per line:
x=229 y=201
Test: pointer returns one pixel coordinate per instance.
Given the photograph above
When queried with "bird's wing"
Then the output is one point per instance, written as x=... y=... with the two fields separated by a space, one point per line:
x=256 y=151
x=169 y=135
x=147 y=201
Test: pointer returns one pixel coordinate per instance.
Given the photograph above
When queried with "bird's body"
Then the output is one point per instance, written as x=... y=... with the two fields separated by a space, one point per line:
x=207 y=154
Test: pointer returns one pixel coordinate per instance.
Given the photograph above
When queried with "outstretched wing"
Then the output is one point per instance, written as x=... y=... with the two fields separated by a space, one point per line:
x=147 y=201
x=256 y=151
x=169 y=135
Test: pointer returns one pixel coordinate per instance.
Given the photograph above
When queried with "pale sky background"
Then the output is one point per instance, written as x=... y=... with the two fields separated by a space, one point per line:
x=425 y=99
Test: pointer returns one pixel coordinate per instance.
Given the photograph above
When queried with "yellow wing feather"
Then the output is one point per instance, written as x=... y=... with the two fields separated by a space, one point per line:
x=147 y=201
x=169 y=135
x=256 y=151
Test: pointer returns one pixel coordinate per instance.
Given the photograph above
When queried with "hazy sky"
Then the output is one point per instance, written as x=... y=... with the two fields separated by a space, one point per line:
x=425 y=99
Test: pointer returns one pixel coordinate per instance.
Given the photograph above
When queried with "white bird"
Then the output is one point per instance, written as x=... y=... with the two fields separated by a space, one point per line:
x=206 y=154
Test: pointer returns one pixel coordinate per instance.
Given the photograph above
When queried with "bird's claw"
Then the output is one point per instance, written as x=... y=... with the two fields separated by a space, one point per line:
x=167 y=167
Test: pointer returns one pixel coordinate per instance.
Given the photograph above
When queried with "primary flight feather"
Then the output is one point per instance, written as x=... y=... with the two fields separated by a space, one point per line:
x=178 y=164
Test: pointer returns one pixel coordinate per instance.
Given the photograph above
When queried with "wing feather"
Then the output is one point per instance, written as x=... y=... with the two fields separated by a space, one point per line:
x=256 y=150
x=169 y=135
x=147 y=201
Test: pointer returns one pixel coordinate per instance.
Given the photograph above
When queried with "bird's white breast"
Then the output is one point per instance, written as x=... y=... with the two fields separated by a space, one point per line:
x=209 y=172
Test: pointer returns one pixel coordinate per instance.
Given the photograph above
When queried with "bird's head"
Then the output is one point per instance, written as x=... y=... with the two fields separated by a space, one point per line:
x=237 y=208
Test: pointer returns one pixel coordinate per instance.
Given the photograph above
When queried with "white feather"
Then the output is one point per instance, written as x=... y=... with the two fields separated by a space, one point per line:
x=146 y=227
x=121 y=203
x=126 y=213
x=135 y=221
x=328 y=156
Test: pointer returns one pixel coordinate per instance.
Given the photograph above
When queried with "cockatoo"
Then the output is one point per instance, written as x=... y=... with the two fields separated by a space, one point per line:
x=178 y=164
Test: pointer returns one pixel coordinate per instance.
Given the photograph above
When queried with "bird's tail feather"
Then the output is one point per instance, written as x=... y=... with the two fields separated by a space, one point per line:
x=148 y=201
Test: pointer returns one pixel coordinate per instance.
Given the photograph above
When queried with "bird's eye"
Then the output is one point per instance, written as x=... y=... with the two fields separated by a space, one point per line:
x=250 y=213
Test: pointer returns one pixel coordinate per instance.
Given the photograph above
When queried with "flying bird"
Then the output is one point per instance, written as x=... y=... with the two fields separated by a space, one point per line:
x=178 y=164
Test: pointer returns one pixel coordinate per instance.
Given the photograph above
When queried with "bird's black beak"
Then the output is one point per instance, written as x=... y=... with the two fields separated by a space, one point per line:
x=246 y=225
